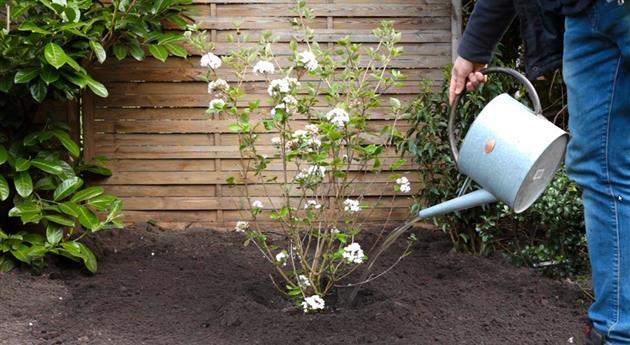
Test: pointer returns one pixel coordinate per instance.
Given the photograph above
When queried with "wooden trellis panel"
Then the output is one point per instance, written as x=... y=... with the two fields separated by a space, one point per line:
x=171 y=161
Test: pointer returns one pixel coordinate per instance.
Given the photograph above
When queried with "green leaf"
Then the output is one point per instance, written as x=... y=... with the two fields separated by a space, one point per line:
x=158 y=52
x=21 y=253
x=4 y=155
x=120 y=51
x=45 y=183
x=6 y=263
x=67 y=187
x=88 y=257
x=59 y=219
x=67 y=142
x=87 y=218
x=23 y=184
x=102 y=202
x=136 y=51
x=24 y=208
x=70 y=208
x=99 y=51
x=54 y=233
x=96 y=169
x=72 y=248
x=176 y=50
x=4 y=189
x=47 y=166
x=87 y=193
x=49 y=75
x=30 y=26
x=96 y=87
x=22 y=164
x=55 y=55
x=39 y=89
x=78 y=79
x=25 y=75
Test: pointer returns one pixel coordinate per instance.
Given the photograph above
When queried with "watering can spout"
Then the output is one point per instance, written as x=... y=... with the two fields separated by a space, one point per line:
x=473 y=199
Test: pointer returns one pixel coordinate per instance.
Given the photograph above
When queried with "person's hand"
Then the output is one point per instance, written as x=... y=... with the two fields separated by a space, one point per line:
x=464 y=73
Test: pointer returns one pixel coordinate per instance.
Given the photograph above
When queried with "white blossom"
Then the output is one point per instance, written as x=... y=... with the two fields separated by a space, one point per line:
x=257 y=204
x=313 y=303
x=334 y=230
x=312 y=204
x=338 y=117
x=282 y=258
x=300 y=134
x=241 y=226
x=210 y=60
x=308 y=60
x=216 y=104
x=314 y=172
x=403 y=183
x=263 y=67
x=353 y=253
x=289 y=100
x=351 y=206
x=311 y=128
x=276 y=141
x=218 y=85
x=303 y=281
x=282 y=86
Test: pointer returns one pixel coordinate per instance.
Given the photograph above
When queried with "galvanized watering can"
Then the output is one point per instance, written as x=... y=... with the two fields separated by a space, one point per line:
x=511 y=151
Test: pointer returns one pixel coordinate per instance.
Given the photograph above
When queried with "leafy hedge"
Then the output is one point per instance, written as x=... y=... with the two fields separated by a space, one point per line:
x=46 y=50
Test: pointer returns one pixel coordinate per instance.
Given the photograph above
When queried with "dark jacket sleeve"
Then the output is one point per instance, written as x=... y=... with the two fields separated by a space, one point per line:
x=487 y=24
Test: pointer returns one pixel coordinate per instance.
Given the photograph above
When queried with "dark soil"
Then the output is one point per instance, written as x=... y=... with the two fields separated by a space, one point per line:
x=203 y=287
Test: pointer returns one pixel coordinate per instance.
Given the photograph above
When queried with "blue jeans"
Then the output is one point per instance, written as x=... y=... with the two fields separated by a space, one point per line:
x=597 y=74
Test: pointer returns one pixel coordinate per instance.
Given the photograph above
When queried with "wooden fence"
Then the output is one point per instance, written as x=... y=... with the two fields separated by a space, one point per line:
x=171 y=161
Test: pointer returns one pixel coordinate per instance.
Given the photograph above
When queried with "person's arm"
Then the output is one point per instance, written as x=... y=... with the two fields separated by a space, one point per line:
x=487 y=24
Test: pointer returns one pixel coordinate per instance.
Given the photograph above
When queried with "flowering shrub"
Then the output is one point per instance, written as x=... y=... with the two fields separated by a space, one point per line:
x=322 y=207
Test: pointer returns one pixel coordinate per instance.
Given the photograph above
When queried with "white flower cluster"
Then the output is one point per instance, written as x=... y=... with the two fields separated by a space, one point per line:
x=303 y=281
x=306 y=139
x=276 y=141
x=313 y=173
x=282 y=257
x=288 y=104
x=313 y=303
x=282 y=86
x=353 y=253
x=403 y=183
x=351 y=206
x=264 y=67
x=217 y=86
x=210 y=60
x=217 y=104
x=312 y=205
x=308 y=60
x=338 y=117
x=241 y=226
x=257 y=204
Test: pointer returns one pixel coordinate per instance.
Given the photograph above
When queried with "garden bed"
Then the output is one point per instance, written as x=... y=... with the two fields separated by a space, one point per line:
x=157 y=286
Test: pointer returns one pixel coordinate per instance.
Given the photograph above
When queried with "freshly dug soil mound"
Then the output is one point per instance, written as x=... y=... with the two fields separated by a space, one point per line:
x=203 y=287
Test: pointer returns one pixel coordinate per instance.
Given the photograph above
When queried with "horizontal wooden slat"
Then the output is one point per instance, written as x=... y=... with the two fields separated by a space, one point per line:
x=233 y=203
x=275 y=23
x=340 y=10
x=109 y=114
x=358 y=35
x=162 y=190
x=210 y=177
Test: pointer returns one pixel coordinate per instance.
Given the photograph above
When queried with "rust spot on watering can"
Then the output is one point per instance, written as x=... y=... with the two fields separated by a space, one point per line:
x=490 y=145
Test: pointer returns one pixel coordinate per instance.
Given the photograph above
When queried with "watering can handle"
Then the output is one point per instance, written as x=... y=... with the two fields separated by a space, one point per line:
x=531 y=92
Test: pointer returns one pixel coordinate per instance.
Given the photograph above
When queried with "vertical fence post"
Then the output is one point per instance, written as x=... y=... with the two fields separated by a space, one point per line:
x=456 y=26
x=88 y=124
